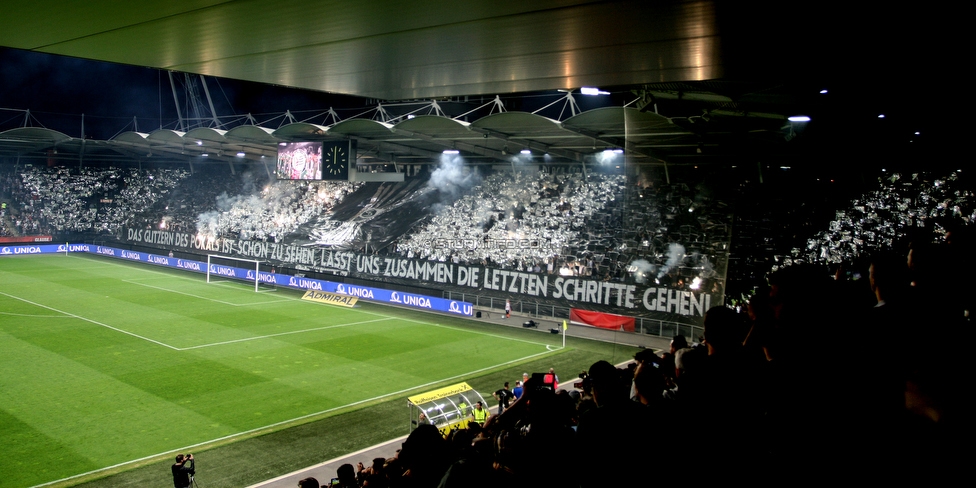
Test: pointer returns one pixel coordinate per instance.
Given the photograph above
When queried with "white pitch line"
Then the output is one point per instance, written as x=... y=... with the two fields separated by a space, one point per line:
x=376 y=314
x=477 y=332
x=460 y=329
x=202 y=298
x=284 y=422
x=281 y=334
x=36 y=316
x=176 y=274
x=91 y=321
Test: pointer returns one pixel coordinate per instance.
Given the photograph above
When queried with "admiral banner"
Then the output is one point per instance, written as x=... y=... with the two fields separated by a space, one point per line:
x=663 y=302
x=330 y=298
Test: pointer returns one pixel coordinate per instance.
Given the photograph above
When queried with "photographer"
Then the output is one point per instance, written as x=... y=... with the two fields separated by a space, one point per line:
x=183 y=471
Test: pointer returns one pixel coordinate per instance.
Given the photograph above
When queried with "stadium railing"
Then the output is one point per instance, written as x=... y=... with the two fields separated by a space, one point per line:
x=643 y=325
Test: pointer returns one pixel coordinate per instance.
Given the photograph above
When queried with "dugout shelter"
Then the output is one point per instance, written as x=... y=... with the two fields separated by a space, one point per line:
x=447 y=408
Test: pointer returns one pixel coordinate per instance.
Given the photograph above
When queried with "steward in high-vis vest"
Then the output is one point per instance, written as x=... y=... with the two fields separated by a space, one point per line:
x=479 y=413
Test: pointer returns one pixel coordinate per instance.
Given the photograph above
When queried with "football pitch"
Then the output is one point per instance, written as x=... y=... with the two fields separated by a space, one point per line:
x=106 y=363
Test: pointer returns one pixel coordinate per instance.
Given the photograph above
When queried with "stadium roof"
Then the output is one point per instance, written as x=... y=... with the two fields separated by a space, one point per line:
x=386 y=49
x=725 y=76
x=494 y=138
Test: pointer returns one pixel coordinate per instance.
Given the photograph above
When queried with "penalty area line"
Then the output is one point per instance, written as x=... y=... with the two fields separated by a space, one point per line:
x=201 y=297
x=281 y=334
x=424 y=322
x=79 y=317
x=162 y=271
x=36 y=316
x=286 y=422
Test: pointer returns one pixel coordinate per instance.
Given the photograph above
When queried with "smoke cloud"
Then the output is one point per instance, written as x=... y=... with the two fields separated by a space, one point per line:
x=451 y=178
x=676 y=253
x=644 y=268
x=210 y=222
x=236 y=211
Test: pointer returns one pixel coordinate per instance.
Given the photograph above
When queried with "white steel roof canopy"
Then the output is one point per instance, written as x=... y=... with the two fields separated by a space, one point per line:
x=646 y=138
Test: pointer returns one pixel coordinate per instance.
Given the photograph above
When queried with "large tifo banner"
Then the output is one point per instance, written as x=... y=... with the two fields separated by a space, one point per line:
x=361 y=292
x=649 y=300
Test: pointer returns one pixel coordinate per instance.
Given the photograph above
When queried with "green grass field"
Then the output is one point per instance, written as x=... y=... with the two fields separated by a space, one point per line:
x=109 y=364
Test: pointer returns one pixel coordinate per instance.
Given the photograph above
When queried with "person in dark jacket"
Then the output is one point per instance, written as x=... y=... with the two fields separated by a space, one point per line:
x=183 y=471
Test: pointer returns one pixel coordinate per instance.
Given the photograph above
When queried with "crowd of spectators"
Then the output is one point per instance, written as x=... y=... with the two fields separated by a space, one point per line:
x=901 y=206
x=574 y=224
x=767 y=394
x=275 y=212
x=674 y=234
x=89 y=200
x=555 y=220
x=4 y=230
x=817 y=377
x=107 y=200
x=7 y=183
x=183 y=205
x=517 y=220
x=570 y=223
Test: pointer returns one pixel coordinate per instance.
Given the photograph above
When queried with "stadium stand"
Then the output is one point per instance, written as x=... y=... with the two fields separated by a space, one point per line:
x=759 y=390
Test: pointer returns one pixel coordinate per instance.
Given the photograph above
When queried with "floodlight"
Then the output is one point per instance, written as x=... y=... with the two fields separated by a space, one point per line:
x=589 y=90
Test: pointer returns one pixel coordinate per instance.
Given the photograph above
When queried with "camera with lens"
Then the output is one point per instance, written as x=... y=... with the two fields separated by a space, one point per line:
x=544 y=381
x=584 y=383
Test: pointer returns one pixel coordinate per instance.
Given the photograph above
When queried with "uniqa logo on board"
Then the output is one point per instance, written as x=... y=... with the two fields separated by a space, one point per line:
x=304 y=283
x=455 y=308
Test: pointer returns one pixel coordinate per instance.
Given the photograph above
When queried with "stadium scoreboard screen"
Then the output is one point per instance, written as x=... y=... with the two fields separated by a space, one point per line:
x=328 y=160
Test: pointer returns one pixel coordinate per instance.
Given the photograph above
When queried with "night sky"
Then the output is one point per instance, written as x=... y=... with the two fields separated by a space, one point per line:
x=58 y=89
